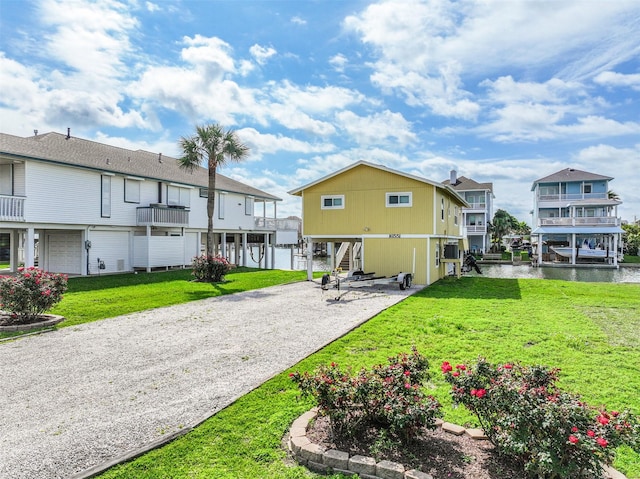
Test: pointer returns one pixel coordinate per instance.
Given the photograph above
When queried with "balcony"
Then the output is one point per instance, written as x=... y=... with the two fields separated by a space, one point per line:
x=573 y=197
x=276 y=224
x=155 y=215
x=476 y=206
x=475 y=229
x=580 y=221
x=11 y=208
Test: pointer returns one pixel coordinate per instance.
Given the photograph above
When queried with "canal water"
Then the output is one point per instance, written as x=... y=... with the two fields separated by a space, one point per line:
x=606 y=275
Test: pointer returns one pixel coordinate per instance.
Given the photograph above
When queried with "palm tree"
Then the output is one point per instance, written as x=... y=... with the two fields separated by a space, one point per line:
x=215 y=146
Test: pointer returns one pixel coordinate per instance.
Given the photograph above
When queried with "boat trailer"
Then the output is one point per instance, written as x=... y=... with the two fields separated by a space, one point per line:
x=360 y=279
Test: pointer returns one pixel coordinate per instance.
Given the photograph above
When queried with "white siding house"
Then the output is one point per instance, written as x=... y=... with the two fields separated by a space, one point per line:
x=79 y=207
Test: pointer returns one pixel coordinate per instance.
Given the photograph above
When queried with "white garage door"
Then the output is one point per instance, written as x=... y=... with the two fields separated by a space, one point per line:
x=64 y=253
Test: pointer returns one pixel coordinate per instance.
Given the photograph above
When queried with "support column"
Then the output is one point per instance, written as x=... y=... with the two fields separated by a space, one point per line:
x=223 y=245
x=29 y=249
x=148 y=261
x=574 y=253
x=273 y=252
x=244 y=249
x=309 y=258
x=236 y=248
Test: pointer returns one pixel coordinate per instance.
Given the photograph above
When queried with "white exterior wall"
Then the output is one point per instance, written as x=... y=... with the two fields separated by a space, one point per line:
x=158 y=251
x=112 y=248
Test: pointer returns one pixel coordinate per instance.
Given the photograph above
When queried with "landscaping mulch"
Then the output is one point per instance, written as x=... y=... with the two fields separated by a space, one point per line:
x=436 y=452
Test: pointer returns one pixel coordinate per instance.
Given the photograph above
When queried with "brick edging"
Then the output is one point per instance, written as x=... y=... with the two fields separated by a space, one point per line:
x=322 y=460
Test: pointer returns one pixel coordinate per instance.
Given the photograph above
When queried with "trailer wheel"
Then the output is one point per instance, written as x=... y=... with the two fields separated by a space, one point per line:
x=406 y=282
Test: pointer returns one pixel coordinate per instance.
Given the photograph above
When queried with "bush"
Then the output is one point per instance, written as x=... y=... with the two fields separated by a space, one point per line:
x=30 y=293
x=525 y=415
x=210 y=268
x=389 y=397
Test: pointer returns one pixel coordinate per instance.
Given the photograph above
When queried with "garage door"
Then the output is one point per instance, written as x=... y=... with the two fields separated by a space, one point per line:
x=64 y=253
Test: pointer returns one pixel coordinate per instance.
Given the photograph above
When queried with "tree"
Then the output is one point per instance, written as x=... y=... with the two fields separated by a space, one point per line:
x=214 y=146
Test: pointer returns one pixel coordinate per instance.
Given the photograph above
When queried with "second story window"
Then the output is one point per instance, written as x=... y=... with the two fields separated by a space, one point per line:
x=399 y=200
x=442 y=209
x=586 y=188
x=248 y=206
x=332 y=202
x=105 y=191
x=131 y=190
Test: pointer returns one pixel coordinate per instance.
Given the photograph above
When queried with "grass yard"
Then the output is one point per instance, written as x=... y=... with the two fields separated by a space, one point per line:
x=590 y=330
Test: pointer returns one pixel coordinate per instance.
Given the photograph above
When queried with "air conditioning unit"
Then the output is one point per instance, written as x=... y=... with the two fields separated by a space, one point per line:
x=451 y=251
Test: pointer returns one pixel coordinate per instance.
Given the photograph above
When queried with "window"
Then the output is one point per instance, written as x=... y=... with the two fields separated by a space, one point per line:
x=399 y=200
x=204 y=192
x=6 y=176
x=455 y=215
x=178 y=196
x=586 y=188
x=437 y=256
x=248 y=205
x=131 y=190
x=105 y=205
x=221 y=197
x=442 y=209
x=333 y=202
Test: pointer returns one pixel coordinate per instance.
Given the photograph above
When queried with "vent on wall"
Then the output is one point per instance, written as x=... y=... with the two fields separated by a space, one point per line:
x=120 y=264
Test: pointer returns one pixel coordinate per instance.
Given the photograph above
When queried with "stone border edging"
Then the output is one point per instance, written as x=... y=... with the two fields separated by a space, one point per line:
x=322 y=460
x=52 y=320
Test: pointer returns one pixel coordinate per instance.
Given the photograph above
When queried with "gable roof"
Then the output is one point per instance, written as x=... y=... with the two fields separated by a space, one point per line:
x=72 y=151
x=298 y=191
x=467 y=184
x=570 y=174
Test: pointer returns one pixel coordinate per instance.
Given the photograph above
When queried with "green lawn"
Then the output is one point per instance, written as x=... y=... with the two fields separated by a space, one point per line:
x=590 y=330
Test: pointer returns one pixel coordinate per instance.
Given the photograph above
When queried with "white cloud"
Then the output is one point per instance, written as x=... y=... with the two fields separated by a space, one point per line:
x=267 y=143
x=210 y=55
x=339 y=62
x=378 y=128
x=262 y=54
x=152 y=7
x=298 y=20
x=613 y=79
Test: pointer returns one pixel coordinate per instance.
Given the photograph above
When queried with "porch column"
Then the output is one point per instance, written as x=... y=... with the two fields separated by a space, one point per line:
x=540 y=245
x=14 y=246
x=615 y=250
x=244 y=249
x=309 y=258
x=573 y=248
x=29 y=249
x=148 y=268
x=273 y=252
x=223 y=245
x=236 y=248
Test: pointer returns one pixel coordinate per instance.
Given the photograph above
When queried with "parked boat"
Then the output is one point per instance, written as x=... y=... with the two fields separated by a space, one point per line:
x=585 y=251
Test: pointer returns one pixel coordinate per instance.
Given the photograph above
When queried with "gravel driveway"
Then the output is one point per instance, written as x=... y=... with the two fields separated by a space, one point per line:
x=84 y=396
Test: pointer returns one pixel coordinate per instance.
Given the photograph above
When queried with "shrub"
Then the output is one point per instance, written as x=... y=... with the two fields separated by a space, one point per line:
x=388 y=397
x=30 y=293
x=526 y=416
x=210 y=268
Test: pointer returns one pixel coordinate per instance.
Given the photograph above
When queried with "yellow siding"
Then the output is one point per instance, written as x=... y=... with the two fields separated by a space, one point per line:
x=387 y=257
x=365 y=212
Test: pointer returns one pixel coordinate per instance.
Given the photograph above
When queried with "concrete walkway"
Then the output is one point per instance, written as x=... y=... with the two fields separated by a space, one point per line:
x=76 y=399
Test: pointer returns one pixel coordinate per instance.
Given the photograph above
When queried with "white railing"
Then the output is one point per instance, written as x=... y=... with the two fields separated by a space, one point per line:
x=11 y=208
x=476 y=228
x=574 y=196
x=477 y=206
x=162 y=216
x=278 y=224
x=580 y=221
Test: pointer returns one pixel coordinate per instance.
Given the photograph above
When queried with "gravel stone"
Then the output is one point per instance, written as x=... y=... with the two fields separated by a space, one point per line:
x=84 y=396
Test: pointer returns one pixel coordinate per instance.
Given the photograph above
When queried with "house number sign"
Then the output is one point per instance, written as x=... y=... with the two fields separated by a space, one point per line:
x=394 y=236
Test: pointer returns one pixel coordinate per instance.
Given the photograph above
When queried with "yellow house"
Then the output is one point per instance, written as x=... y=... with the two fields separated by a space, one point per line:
x=386 y=221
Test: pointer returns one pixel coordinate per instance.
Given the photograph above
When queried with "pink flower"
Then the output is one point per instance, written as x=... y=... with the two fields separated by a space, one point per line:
x=480 y=393
x=461 y=367
x=573 y=439
x=602 y=419
x=590 y=433
x=508 y=366
x=602 y=442
x=407 y=386
x=455 y=373
x=407 y=373
x=574 y=429
x=446 y=367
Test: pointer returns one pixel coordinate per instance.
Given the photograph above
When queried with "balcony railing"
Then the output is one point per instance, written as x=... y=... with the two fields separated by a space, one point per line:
x=477 y=206
x=580 y=221
x=476 y=229
x=276 y=224
x=162 y=216
x=11 y=208
x=573 y=197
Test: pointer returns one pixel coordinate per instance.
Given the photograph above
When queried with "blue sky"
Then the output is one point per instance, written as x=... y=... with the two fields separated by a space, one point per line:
x=502 y=91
